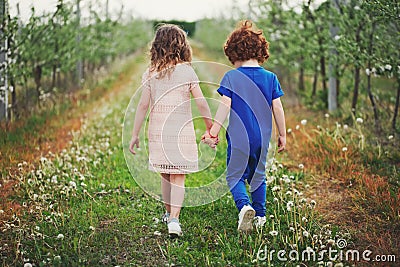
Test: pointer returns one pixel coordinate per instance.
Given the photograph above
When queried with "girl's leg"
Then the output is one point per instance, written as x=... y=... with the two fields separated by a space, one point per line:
x=177 y=194
x=166 y=191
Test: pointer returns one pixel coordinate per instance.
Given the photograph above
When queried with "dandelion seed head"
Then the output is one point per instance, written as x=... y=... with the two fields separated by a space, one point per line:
x=273 y=233
x=359 y=120
x=303 y=122
x=344 y=149
x=301 y=166
x=289 y=130
x=60 y=236
x=297 y=127
x=345 y=126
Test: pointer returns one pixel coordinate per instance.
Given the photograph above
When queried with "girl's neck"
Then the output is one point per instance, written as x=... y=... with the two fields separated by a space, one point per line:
x=247 y=63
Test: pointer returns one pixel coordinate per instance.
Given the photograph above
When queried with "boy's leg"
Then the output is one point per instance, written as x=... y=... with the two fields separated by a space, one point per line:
x=236 y=172
x=166 y=191
x=177 y=194
x=258 y=198
x=258 y=185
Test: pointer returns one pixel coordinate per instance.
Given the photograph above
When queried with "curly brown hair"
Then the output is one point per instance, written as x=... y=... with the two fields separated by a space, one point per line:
x=169 y=47
x=246 y=42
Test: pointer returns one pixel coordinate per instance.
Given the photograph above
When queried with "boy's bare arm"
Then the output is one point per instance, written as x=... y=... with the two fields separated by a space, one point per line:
x=220 y=117
x=279 y=115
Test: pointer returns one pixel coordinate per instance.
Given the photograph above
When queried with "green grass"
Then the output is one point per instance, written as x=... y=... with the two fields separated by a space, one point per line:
x=83 y=208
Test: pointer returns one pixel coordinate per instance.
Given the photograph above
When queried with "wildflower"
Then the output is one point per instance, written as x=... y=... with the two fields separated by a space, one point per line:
x=345 y=127
x=297 y=127
x=289 y=205
x=344 y=149
x=60 y=236
x=157 y=233
x=390 y=137
x=305 y=233
x=102 y=185
x=301 y=166
x=359 y=120
x=92 y=228
x=271 y=217
x=72 y=184
x=304 y=219
x=57 y=258
x=276 y=188
x=357 y=8
x=289 y=130
x=326 y=115
x=303 y=122
x=273 y=233
x=337 y=37
x=388 y=67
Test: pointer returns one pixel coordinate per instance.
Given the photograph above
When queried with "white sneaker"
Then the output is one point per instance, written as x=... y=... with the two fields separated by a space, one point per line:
x=246 y=217
x=259 y=221
x=174 y=228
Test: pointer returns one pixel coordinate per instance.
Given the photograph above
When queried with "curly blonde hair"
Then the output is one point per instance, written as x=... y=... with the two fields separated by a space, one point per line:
x=246 y=42
x=169 y=47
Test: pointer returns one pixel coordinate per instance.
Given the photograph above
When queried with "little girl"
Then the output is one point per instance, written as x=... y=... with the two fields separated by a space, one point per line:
x=167 y=85
x=248 y=92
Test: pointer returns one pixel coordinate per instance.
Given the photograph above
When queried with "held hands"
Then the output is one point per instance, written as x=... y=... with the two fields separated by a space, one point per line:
x=210 y=141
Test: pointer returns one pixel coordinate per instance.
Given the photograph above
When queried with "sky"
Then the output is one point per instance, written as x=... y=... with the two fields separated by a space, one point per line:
x=189 y=10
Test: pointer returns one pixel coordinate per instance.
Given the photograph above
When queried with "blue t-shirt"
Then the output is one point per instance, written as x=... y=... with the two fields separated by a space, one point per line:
x=251 y=90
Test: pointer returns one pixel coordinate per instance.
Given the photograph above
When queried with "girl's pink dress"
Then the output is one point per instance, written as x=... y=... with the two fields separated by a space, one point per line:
x=171 y=135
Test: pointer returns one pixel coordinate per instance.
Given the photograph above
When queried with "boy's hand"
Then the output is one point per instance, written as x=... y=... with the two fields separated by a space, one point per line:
x=134 y=141
x=281 y=143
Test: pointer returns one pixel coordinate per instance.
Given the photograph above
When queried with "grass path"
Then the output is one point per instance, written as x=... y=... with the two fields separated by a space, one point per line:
x=81 y=207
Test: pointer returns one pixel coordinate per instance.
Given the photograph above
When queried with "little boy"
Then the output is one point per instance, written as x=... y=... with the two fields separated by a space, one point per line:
x=248 y=92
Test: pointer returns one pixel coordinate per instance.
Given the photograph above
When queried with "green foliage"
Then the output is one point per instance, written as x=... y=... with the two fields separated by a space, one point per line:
x=44 y=52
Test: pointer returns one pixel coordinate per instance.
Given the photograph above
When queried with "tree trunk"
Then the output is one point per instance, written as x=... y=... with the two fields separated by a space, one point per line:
x=315 y=81
x=356 y=89
x=301 y=74
x=323 y=73
x=396 y=108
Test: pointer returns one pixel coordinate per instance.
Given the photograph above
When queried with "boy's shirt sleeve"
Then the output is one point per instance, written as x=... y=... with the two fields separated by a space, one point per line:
x=276 y=88
x=225 y=87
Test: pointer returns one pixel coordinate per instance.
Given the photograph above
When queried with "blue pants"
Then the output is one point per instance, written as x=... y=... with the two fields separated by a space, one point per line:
x=250 y=167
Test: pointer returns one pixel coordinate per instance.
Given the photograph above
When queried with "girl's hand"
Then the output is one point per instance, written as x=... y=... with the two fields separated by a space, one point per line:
x=134 y=141
x=207 y=139
x=281 y=143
